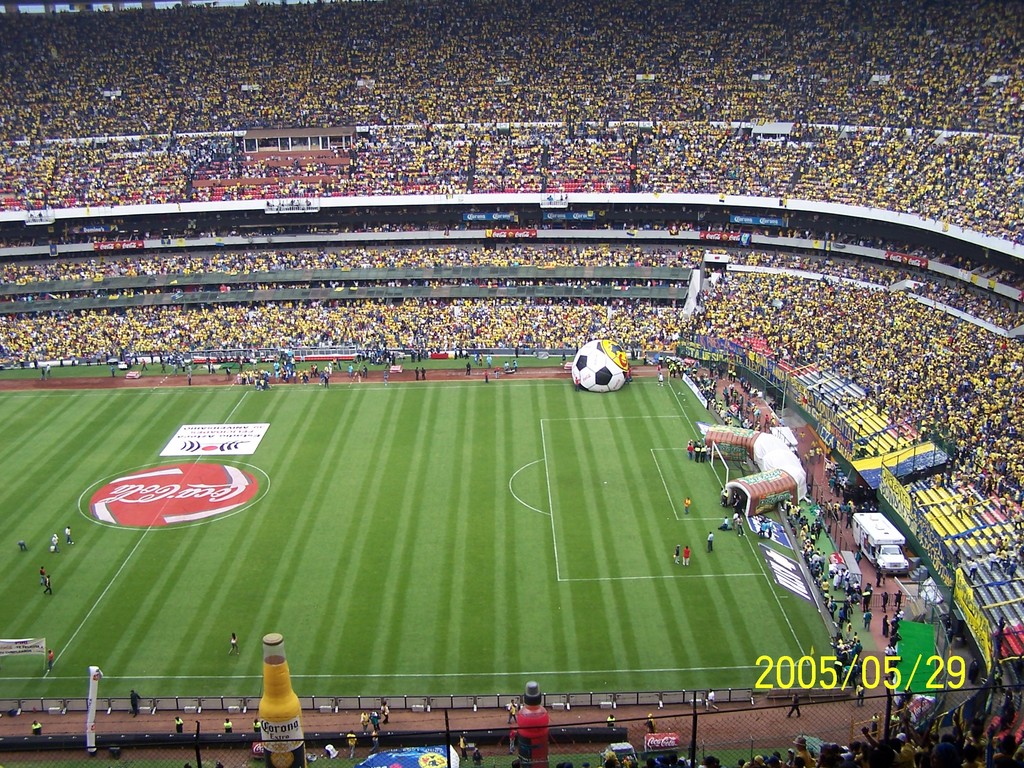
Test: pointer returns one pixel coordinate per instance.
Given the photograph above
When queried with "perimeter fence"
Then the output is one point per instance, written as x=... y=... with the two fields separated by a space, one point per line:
x=735 y=733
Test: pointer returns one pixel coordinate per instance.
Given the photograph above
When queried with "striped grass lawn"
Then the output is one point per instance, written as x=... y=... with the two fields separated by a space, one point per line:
x=415 y=539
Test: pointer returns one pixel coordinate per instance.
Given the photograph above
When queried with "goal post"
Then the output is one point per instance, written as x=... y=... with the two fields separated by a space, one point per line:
x=719 y=459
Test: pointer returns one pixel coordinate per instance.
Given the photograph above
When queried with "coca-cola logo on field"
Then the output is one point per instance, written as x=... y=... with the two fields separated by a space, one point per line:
x=656 y=741
x=173 y=494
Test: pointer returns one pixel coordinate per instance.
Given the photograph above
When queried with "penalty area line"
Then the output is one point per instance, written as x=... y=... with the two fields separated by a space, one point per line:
x=667 y=576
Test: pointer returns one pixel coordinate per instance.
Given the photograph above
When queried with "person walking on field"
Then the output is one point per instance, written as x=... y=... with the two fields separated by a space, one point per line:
x=47 y=586
x=711 y=541
x=686 y=555
x=709 y=700
x=795 y=706
x=675 y=557
x=234 y=645
x=352 y=741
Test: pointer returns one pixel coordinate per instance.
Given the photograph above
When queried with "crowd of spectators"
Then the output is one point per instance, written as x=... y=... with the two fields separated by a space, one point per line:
x=230 y=262
x=201 y=69
x=963 y=746
x=918 y=366
x=975 y=181
x=971 y=300
x=970 y=180
x=712 y=159
x=433 y=324
x=522 y=96
x=863 y=270
x=73 y=174
x=962 y=296
x=479 y=285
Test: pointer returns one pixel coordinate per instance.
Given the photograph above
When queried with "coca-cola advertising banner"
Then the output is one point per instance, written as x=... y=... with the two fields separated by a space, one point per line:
x=906 y=258
x=118 y=245
x=658 y=741
x=511 y=234
x=726 y=237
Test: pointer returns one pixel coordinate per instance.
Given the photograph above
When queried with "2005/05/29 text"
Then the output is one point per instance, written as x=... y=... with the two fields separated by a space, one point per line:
x=825 y=672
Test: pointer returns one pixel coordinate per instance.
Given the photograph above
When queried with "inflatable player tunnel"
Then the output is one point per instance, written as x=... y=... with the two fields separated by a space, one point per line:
x=782 y=475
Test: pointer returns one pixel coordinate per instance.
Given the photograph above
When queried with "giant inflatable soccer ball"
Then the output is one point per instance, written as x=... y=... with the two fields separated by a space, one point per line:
x=600 y=366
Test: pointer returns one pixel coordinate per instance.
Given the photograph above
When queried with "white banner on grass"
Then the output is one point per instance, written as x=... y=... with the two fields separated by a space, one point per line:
x=215 y=440
x=95 y=675
x=26 y=645
x=696 y=392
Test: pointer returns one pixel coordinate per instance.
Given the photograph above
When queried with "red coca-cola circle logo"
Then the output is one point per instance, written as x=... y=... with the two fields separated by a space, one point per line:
x=172 y=494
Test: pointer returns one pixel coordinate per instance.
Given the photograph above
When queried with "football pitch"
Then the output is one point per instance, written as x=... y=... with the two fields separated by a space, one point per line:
x=429 y=538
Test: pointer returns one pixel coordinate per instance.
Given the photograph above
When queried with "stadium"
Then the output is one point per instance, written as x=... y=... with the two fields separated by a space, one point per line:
x=293 y=304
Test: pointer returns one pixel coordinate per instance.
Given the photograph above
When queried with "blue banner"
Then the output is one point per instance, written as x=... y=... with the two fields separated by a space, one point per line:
x=569 y=216
x=759 y=221
x=409 y=757
x=494 y=216
x=787 y=573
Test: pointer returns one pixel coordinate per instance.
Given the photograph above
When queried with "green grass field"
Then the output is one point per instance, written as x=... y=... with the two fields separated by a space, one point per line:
x=416 y=539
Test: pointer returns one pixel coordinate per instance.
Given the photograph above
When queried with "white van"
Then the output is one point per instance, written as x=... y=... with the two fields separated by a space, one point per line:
x=880 y=541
